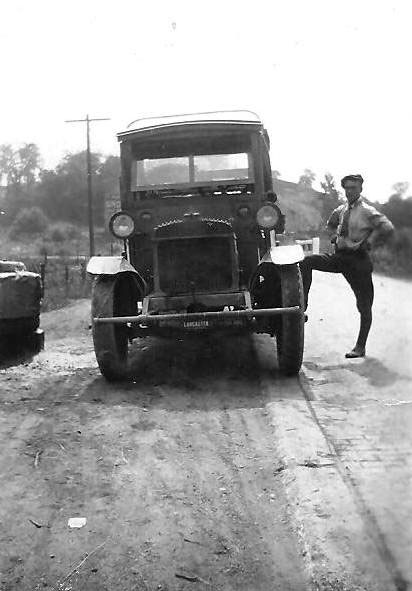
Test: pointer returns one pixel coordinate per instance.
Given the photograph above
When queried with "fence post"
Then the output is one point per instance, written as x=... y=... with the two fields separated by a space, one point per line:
x=42 y=276
x=66 y=278
x=83 y=271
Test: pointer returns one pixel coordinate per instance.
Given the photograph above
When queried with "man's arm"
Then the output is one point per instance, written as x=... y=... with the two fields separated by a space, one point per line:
x=333 y=223
x=382 y=229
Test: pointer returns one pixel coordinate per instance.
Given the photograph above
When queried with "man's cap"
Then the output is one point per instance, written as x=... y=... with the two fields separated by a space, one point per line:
x=351 y=177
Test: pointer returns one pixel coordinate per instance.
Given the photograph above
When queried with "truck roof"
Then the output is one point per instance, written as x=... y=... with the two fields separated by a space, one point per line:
x=149 y=124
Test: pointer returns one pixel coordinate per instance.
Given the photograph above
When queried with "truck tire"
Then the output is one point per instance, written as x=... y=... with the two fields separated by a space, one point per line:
x=35 y=340
x=290 y=332
x=113 y=295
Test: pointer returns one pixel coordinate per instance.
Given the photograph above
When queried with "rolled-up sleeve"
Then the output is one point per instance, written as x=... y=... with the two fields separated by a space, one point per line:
x=381 y=228
x=379 y=222
x=333 y=221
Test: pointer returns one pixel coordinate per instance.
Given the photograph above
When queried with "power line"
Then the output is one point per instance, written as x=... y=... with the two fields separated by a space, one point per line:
x=87 y=120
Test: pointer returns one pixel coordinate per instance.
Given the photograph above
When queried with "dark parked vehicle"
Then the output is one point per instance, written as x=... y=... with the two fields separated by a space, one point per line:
x=199 y=224
x=20 y=300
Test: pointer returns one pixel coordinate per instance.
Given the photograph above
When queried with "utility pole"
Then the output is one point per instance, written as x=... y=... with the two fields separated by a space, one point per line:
x=89 y=177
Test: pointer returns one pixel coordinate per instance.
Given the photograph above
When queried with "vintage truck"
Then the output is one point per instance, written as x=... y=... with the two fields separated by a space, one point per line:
x=200 y=225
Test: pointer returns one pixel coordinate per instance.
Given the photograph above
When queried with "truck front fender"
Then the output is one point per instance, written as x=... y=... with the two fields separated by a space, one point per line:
x=114 y=266
x=284 y=255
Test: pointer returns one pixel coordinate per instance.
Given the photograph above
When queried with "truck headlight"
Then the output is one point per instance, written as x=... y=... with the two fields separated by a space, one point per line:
x=121 y=225
x=268 y=216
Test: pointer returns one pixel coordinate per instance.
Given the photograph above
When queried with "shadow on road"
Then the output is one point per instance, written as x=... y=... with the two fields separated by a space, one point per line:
x=206 y=373
x=13 y=354
x=377 y=374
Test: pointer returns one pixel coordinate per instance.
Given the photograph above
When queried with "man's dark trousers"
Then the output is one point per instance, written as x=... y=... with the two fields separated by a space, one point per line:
x=356 y=267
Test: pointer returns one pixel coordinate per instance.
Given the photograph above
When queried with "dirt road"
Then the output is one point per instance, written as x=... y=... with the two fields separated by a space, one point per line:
x=176 y=472
x=200 y=474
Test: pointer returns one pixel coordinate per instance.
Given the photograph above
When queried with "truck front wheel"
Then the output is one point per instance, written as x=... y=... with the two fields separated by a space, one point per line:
x=290 y=329
x=113 y=295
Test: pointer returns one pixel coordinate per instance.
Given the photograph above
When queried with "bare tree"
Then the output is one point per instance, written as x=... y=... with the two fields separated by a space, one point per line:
x=19 y=166
x=400 y=189
x=306 y=179
x=332 y=196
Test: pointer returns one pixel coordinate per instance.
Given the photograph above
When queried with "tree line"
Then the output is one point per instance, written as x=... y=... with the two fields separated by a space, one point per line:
x=398 y=207
x=34 y=198
x=60 y=193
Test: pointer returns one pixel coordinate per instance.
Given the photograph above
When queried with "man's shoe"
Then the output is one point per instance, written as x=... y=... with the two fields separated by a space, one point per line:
x=356 y=352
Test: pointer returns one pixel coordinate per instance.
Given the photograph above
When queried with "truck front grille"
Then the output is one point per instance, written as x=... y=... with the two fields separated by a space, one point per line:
x=195 y=265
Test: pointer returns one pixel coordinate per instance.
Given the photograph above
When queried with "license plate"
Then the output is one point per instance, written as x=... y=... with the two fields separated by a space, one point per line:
x=196 y=324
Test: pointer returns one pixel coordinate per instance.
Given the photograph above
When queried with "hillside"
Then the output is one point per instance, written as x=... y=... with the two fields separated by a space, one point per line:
x=302 y=207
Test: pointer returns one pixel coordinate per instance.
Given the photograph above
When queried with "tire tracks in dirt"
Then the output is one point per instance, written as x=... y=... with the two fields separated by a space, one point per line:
x=177 y=468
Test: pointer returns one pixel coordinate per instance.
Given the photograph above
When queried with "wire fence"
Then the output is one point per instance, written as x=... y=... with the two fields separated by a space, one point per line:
x=64 y=278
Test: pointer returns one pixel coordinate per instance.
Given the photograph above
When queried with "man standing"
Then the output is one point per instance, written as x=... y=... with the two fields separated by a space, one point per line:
x=356 y=227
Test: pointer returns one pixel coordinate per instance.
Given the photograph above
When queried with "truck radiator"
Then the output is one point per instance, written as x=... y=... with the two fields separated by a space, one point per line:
x=189 y=265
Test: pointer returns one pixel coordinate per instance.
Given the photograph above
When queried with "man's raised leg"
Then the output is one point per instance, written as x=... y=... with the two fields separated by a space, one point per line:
x=329 y=263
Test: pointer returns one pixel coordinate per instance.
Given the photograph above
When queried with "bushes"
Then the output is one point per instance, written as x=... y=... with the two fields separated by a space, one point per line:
x=32 y=227
x=62 y=231
x=29 y=222
x=395 y=257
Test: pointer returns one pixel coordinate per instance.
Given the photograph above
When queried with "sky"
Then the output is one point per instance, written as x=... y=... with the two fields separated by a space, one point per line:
x=331 y=79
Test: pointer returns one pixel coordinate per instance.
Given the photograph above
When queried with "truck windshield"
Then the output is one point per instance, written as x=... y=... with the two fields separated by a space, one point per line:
x=192 y=169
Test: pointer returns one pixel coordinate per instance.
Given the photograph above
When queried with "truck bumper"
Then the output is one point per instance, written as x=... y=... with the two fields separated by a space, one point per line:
x=196 y=320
